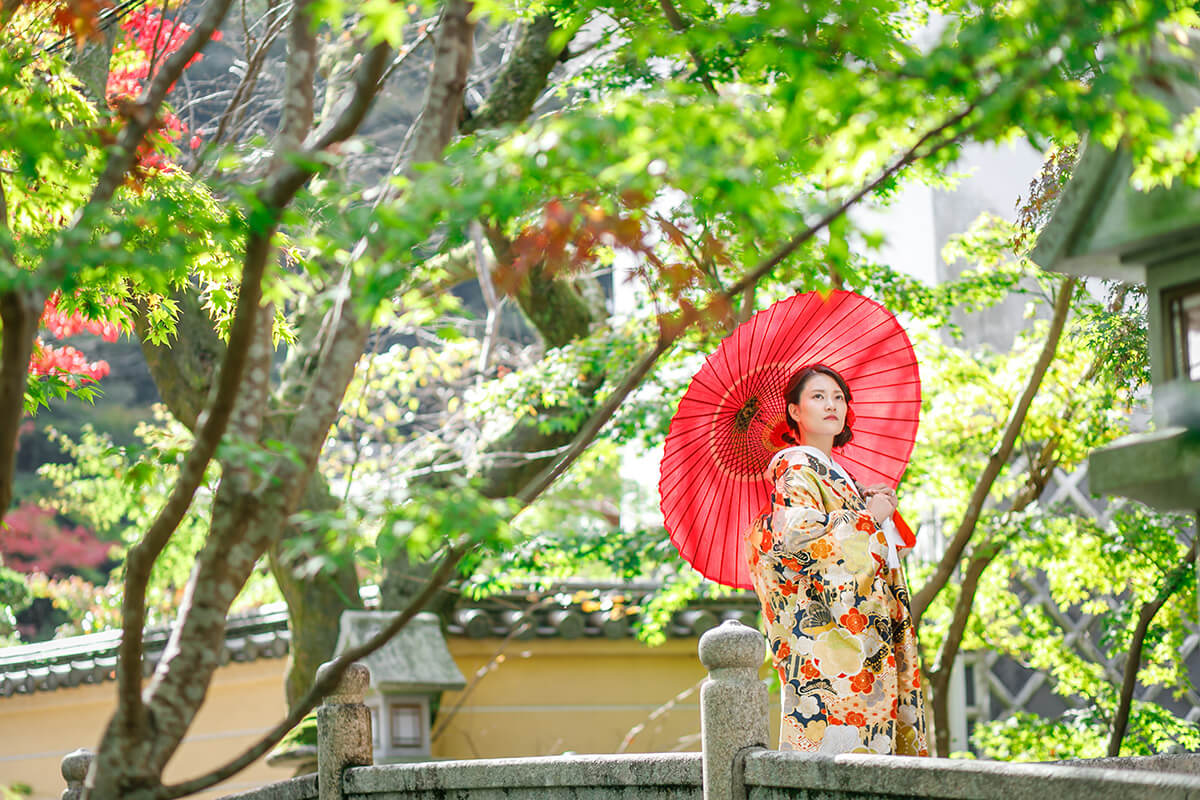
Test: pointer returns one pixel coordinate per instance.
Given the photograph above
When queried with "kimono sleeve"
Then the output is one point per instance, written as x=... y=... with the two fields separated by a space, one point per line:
x=798 y=517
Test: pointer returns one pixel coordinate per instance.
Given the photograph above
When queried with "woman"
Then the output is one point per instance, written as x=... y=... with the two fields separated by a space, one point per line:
x=825 y=567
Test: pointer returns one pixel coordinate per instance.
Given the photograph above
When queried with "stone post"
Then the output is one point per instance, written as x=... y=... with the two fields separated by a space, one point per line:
x=75 y=766
x=733 y=706
x=343 y=730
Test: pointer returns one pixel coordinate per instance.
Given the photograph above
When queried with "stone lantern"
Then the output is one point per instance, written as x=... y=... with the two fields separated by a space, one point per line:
x=408 y=676
x=1104 y=226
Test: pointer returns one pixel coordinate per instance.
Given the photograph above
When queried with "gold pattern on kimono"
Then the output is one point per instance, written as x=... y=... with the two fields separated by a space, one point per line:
x=836 y=616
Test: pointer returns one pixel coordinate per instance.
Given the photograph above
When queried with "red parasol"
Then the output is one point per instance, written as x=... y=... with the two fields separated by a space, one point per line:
x=731 y=419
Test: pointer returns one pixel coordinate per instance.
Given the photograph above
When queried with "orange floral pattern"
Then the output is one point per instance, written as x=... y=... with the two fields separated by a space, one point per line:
x=836 y=616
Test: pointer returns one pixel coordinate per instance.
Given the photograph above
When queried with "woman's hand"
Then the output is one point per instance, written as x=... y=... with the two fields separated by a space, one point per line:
x=878 y=488
x=881 y=502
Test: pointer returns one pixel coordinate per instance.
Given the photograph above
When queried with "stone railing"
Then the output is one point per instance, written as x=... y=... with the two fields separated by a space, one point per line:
x=734 y=764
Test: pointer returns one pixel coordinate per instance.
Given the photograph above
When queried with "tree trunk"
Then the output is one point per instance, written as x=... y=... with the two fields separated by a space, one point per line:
x=315 y=603
x=522 y=80
x=134 y=751
x=1039 y=472
x=940 y=675
x=20 y=313
x=250 y=506
x=183 y=373
x=1133 y=660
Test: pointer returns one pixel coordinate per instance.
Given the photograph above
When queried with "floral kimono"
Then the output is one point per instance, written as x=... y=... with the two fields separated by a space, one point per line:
x=836 y=613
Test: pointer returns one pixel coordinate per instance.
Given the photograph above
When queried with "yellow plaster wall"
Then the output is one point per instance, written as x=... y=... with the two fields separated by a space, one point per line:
x=37 y=730
x=544 y=697
x=552 y=696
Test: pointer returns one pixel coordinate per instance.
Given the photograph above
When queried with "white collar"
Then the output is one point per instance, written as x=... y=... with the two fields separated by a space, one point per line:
x=816 y=453
x=784 y=452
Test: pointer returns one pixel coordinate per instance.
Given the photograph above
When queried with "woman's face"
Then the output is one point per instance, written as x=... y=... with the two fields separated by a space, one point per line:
x=822 y=407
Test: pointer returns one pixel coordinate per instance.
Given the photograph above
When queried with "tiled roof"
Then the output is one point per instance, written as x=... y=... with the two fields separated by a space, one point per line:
x=77 y=660
x=565 y=611
x=577 y=610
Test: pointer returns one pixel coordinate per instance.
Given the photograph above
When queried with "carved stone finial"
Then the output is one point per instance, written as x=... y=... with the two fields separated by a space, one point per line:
x=75 y=766
x=352 y=688
x=731 y=645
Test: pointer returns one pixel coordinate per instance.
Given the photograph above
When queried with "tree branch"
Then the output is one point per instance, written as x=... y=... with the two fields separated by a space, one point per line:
x=524 y=623
x=315 y=602
x=22 y=307
x=453 y=49
x=7 y=9
x=522 y=79
x=254 y=63
x=366 y=88
x=555 y=308
x=211 y=426
x=298 y=89
x=673 y=328
x=433 y=126
x=446 y=271
x=932 y=145
x=235 y=540
x=598 y=419
x=346 y=338
x=681 y=25
x=404 y=54
x=910 y=156
x=669 y=334
x=484 y=270
x=1133 y=661
x=291 y=176
x=345 y=334
x=998 y=457
x=948 y=653
x=1040 y=469
x=977 y=564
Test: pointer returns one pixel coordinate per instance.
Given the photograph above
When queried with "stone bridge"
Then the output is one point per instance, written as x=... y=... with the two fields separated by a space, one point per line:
x=734 y=764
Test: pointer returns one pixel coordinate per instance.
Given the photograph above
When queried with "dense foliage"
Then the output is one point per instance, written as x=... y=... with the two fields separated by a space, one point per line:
x=696 y=158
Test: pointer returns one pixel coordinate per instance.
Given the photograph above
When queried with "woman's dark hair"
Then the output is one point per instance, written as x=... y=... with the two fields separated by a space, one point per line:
x=792 y=395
